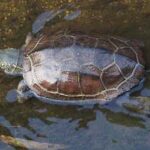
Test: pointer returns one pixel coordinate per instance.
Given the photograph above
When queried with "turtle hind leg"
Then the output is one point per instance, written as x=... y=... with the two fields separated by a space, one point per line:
x=23 y=92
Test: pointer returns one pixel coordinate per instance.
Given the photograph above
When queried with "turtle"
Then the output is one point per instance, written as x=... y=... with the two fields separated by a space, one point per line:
x=75 y=68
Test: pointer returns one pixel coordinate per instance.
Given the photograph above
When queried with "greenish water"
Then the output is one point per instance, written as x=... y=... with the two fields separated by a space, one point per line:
x=122 y=124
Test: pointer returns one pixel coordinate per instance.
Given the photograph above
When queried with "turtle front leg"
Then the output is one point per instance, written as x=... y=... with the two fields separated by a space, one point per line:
x=23 y=92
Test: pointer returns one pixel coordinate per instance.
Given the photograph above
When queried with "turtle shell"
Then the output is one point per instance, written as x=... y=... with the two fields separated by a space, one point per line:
x=80 y=66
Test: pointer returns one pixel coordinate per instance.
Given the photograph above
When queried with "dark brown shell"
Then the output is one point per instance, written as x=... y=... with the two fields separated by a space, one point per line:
x=80 y=66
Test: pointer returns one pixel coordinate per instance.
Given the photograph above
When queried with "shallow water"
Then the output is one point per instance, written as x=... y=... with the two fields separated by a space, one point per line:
x=122 y=124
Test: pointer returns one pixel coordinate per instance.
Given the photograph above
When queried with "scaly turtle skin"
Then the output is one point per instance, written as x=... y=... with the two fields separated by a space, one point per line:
x=81 y=68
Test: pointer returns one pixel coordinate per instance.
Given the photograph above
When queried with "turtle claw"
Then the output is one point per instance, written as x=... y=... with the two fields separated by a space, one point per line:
x=21 y=98
x=24 y=96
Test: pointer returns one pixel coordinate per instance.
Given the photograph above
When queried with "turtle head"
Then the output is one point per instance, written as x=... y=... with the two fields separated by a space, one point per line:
x=11 y=61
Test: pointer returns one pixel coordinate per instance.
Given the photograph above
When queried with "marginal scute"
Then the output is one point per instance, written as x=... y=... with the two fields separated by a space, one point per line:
x=86 y=41
x=110 y=93
x=69 y=83
x=119 y=42
x=139 y=72
x=38 y=89
x=139 y=51
x=38 y=43
x=101 y=96
x=138 y=47
x=112 y=77
x=138 y=44
x=63 y=41
x=141 y=57
x=127 y=85
x=44 y=93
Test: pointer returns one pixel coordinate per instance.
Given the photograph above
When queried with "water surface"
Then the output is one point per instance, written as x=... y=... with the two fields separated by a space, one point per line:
x=34 y=124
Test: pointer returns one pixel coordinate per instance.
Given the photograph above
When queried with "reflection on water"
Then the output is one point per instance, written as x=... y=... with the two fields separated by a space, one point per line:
x=73 y=127
x=122 y=124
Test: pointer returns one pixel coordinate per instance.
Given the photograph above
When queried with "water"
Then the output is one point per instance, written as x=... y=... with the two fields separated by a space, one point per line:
x=122 y=124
